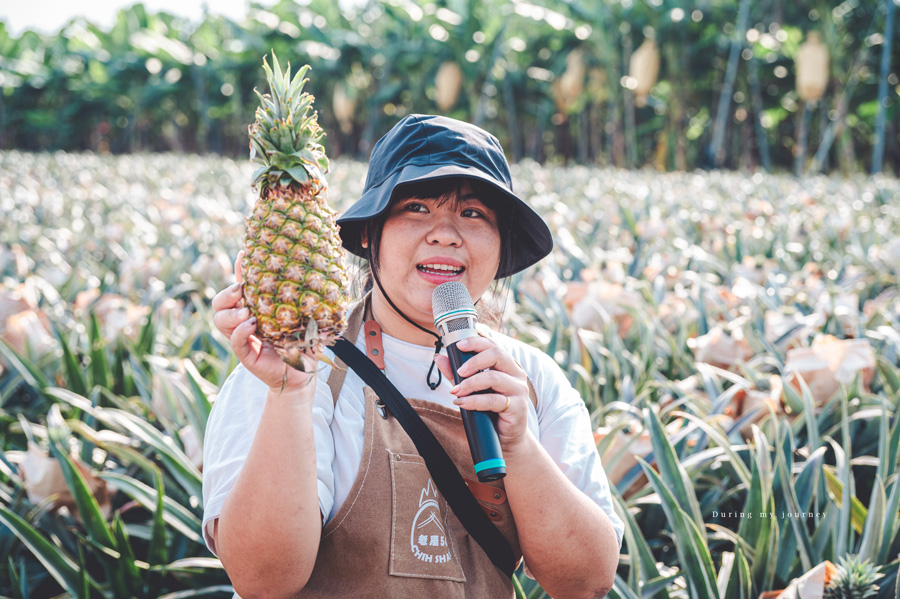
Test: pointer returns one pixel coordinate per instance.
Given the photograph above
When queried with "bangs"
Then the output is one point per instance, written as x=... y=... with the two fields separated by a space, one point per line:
x=450 y=190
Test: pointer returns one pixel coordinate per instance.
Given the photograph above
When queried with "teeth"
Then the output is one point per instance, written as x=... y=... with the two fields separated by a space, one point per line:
x=444 y=267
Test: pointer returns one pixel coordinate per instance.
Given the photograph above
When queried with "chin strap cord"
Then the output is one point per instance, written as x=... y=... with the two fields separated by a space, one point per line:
x=438 y=344
x=437 y=349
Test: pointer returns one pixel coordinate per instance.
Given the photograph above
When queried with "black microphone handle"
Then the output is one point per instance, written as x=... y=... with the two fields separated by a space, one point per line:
x=480 y=427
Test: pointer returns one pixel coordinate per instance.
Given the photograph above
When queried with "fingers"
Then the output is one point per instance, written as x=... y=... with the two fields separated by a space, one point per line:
x=227 y=320
x=490 y=402
x=488 y=356
x=491 y=380
x=228 y=305
x=228 y=297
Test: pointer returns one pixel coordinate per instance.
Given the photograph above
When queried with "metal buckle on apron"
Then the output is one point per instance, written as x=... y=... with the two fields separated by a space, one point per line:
x=382 y=409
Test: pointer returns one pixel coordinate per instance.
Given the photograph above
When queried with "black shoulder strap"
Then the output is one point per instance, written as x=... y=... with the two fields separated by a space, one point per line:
x=442 y=469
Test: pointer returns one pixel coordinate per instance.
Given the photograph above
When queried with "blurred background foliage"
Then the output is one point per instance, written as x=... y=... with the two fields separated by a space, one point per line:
x=553 y=81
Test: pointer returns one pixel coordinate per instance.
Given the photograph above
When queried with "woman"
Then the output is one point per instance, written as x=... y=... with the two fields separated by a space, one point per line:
x=311 y=489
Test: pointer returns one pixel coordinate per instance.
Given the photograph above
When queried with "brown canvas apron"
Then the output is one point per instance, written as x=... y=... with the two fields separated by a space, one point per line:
x=394 y=536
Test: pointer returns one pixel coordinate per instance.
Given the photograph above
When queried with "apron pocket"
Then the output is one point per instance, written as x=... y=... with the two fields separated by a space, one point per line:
x=421 y=543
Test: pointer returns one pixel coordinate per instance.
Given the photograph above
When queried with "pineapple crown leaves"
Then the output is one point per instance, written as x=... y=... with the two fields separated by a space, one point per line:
x=285 y=137
x=854 y=578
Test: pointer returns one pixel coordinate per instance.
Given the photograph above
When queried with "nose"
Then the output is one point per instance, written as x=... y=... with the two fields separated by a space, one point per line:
x=443 y=231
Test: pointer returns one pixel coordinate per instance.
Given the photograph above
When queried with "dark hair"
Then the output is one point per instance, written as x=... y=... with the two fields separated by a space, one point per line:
x=449 y=190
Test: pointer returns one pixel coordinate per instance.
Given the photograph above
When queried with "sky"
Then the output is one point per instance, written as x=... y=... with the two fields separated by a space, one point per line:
x=48 y=16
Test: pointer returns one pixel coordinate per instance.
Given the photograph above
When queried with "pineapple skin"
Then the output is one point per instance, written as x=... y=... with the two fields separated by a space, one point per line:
x=294 y=275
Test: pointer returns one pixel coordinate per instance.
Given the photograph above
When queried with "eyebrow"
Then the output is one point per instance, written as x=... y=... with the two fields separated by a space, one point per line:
x=473 y=197
x=469 y=197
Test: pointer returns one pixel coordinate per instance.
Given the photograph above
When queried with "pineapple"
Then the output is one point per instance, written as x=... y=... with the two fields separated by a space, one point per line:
x=295 y=280
x=853 y=579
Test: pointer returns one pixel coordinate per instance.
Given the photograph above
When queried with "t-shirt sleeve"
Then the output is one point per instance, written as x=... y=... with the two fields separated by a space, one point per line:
x=565 y=433
x=229 y=435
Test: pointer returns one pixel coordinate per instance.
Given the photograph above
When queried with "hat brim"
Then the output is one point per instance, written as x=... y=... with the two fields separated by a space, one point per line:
x=531 y=238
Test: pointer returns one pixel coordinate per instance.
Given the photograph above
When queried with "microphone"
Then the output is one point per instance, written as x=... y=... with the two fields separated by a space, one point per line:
x=454 y=317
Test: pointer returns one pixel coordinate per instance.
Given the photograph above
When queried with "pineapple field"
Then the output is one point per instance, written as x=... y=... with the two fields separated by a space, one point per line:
x=735 y=337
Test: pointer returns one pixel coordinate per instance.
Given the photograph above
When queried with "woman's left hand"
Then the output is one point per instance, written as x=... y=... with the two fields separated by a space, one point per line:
x=494 y=369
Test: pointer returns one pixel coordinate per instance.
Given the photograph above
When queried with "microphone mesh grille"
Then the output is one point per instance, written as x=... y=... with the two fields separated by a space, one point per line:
x=451 y=296
x=457 y=324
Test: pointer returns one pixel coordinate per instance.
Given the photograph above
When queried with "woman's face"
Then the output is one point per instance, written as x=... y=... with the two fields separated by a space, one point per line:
x=425 y=243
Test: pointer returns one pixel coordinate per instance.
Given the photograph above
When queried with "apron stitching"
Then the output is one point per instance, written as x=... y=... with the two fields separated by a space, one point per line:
x=452 y=546
x=433 y=577
x=362 y=483
x=393 y=511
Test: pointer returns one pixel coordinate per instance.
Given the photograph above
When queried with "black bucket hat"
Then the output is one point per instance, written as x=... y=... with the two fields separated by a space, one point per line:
x=423 y=147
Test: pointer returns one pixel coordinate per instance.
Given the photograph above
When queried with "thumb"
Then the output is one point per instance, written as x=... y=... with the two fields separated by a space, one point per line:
x=238 y=270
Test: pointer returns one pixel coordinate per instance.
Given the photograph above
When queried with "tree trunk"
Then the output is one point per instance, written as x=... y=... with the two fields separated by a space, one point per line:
x=676 y=128
x=823 y=125
x=802 y=135
x=878 y=151
x=537 y=141
x=509 y=98
x=584 y=134
x=630 y=135
x=481 y=110
x=737 y=44
x=203 y=128
x=762 y=140
x=368 y=136
x=615 y=141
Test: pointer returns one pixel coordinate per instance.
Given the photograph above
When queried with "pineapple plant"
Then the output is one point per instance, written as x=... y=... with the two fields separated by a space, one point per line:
x=295 y=280
x=853 y=579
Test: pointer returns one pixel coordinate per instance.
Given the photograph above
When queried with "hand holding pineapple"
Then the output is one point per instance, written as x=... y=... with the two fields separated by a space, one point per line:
x=234 y=321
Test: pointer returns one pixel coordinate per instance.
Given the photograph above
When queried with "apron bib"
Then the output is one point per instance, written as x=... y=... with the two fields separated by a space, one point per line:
x=394 y=535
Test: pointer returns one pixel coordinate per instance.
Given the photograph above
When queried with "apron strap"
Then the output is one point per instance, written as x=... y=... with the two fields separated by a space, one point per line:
x=354 y=322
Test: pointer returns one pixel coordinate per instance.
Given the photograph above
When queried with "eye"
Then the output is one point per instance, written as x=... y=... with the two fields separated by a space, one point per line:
x=415 y=207
x=472 y=213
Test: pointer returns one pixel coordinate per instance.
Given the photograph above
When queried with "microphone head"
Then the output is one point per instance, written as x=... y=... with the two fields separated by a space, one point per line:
x=451 y=300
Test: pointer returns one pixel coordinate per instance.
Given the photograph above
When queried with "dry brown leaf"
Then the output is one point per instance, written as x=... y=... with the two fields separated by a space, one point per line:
x=811 y=585
x=719 y=348
x=44 y=479
x=827 y=363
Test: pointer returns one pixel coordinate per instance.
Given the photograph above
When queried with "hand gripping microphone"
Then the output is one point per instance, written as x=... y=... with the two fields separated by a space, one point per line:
x=454 y=317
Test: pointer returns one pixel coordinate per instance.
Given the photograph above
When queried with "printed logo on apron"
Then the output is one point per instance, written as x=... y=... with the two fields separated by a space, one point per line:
x=421 y=546
x=428 y=539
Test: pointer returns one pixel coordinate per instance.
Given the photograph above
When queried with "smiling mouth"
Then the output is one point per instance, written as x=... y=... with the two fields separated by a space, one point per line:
x=441 y=270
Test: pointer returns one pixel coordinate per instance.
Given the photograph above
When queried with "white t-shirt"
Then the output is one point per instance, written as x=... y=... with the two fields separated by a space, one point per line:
x=560 y=422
